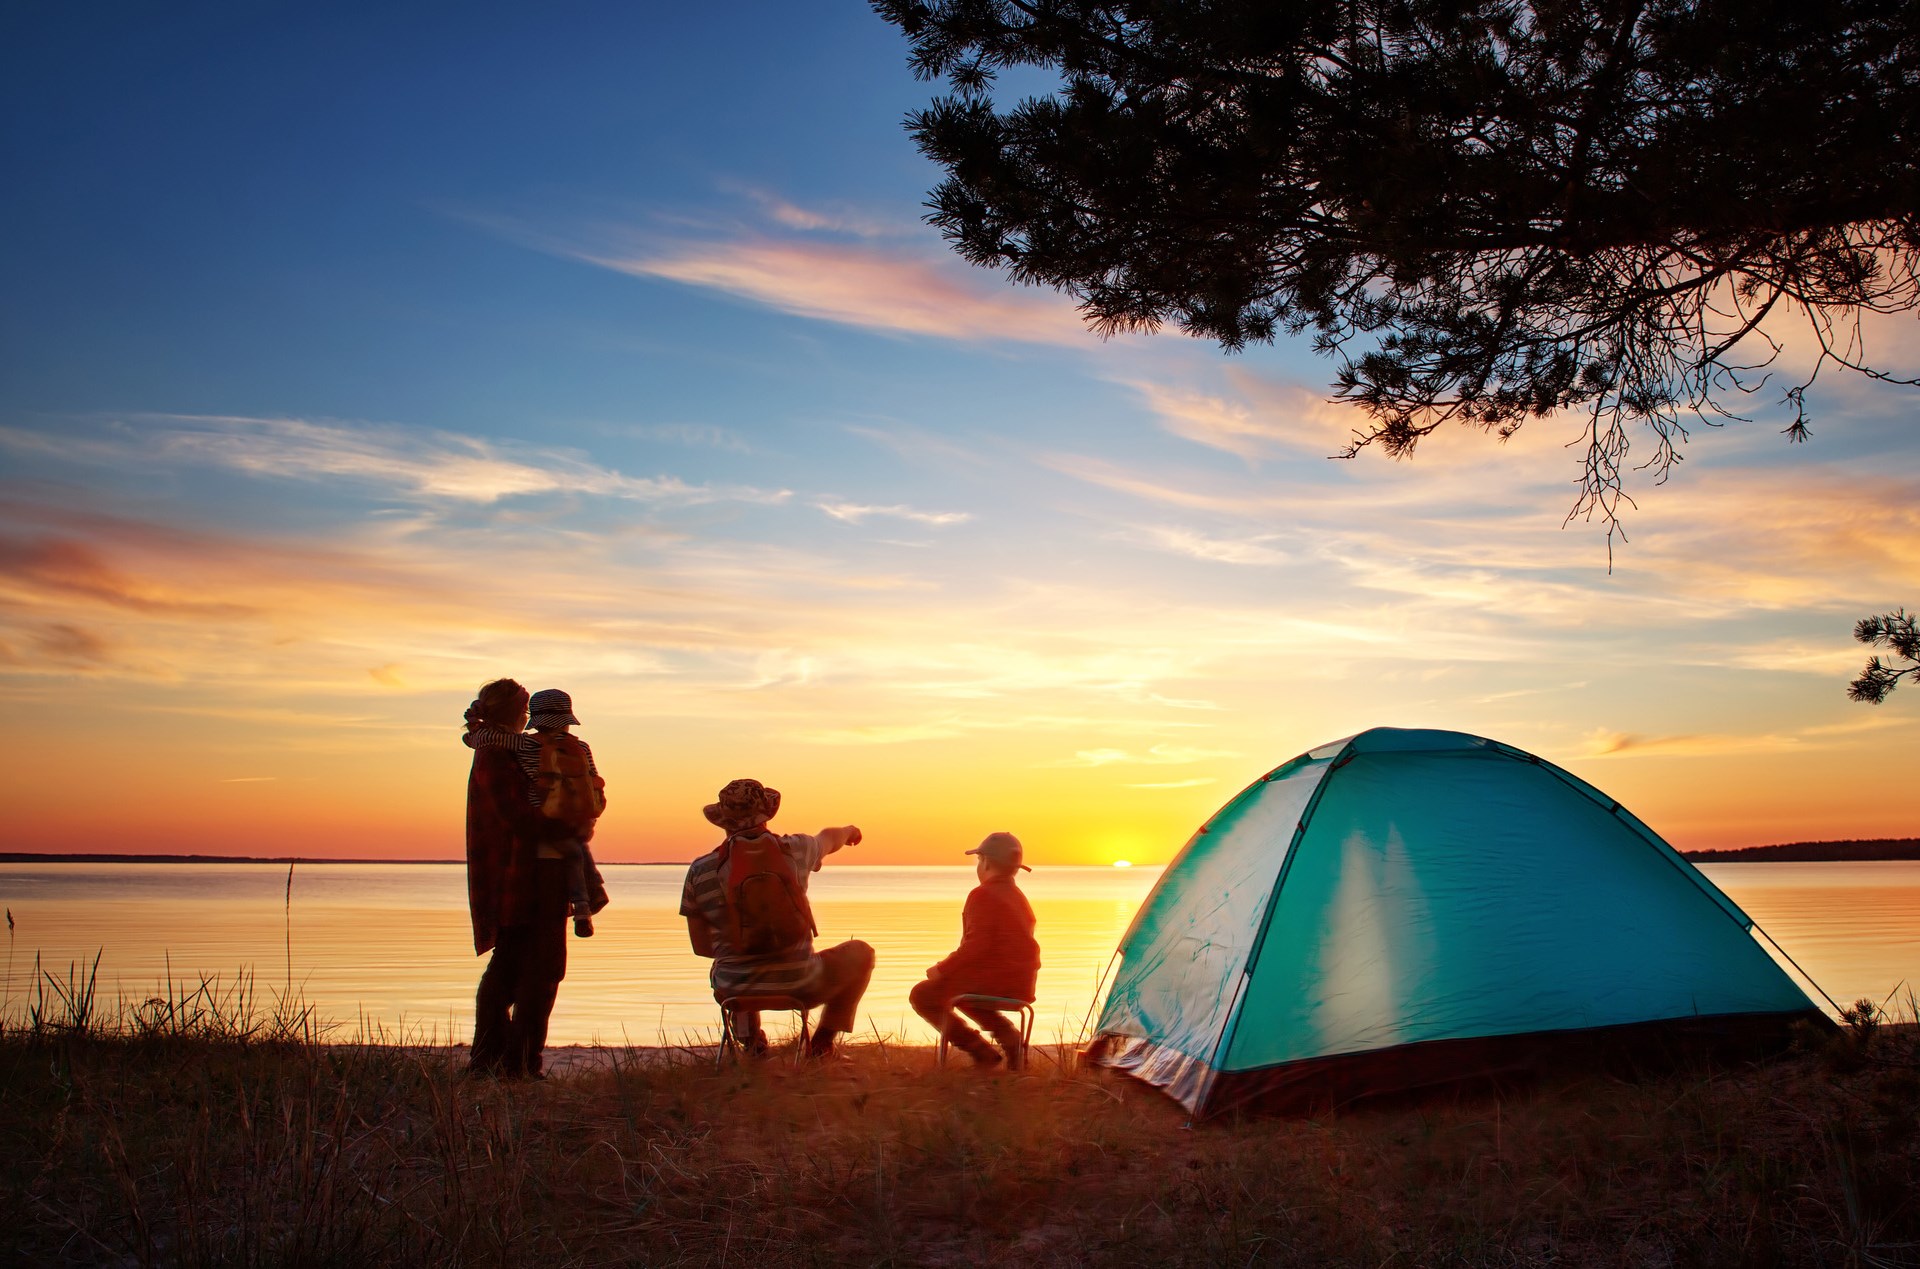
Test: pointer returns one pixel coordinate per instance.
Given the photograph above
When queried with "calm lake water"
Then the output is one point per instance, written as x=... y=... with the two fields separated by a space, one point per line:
x=387 y=945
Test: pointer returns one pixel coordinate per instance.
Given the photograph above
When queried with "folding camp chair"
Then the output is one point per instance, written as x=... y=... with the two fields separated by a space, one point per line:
x=733 y=1044
x=1001 y=1004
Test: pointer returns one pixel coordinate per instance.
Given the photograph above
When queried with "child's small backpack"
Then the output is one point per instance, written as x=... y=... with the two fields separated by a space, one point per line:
x=569 y=790
x=767 y=911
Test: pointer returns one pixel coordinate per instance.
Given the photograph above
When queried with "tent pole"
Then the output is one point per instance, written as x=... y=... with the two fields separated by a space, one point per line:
x=1796 y=965
x=1220 y=1047
x=1232 y=1023
x=1661 y=847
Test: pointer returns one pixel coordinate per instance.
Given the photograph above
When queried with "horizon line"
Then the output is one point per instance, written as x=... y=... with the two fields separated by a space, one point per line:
x=1713 y=854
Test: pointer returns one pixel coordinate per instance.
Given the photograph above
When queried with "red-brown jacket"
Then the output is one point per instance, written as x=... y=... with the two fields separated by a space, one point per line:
x=998 y=955
x=504 y=830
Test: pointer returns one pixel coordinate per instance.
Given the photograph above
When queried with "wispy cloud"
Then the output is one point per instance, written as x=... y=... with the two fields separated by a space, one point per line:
x=960 y=723
x=428 y=464
x=1255 y=418
x=1830 y=659
x=922 y=446
x=76 y=569
x=419 y=463
x=703 y=628
x=889 y=733
x=1211 y=420
x=1603 y=743
x=1860 y=724
x=1164 y=488
x=856 y=285
x=1618 y=744
x=57 y=646
x=799 y=260
x=1492 y=698
x=855 y=513
x=1466 y=549
x=835 y=218
x=1176 y=784
x=693 y=435
x=1158 y=755
x=1254 y=550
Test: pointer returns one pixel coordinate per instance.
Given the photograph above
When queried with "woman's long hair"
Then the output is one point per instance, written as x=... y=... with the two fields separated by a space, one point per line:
x=501 y=703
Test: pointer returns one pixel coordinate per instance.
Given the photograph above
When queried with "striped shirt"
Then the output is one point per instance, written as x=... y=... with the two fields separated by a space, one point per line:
x=526 y=750
x=793 y=971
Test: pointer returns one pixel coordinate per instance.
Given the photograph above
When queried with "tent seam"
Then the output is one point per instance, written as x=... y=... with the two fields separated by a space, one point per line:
x=1647 y=836
x=1672 y=857
x=1232 y=1023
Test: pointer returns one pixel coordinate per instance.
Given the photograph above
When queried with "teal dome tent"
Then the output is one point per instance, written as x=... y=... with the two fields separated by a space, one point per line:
x=1404 y=908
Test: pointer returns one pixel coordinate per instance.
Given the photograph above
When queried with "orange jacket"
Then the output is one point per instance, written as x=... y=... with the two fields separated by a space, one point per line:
x=998 y=955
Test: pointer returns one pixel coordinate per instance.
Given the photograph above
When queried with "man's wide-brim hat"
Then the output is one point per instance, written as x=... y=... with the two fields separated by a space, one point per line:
x=1001 y=848
x=744 y=804
x=551 y=708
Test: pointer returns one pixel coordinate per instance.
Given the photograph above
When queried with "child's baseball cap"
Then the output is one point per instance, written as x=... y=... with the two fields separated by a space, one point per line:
x=1001 y=848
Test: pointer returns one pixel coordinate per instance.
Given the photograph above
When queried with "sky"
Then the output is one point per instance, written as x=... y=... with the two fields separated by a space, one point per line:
x=353 y=355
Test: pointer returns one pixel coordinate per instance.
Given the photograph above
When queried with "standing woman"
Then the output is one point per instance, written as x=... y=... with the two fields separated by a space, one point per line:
x=517 y=899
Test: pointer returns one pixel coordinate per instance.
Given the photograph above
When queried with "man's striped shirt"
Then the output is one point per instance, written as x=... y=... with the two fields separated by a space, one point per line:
x=789 y=972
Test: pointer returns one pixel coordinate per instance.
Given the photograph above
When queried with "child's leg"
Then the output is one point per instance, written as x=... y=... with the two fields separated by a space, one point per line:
x=1004 y=1030
x=579 y=899
x=575 y=856
x=932 y=999
x=590 y=879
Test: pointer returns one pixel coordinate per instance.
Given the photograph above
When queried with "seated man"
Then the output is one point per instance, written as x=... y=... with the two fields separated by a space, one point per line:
x=997 y=956
x=746 y=907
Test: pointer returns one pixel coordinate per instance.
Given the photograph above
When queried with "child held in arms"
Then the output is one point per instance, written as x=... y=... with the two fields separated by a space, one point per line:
x=997 y=956
x=564 y=783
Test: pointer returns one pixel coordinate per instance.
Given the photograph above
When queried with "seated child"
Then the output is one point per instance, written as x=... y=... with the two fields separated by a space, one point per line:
x=997 y=956
x=564 y=783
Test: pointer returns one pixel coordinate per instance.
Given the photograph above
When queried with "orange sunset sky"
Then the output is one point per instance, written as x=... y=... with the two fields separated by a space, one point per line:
x=343 y=370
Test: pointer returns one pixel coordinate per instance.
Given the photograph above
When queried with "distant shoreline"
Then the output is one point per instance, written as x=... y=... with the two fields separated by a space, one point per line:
x=1870 y=850
x=1876 y=849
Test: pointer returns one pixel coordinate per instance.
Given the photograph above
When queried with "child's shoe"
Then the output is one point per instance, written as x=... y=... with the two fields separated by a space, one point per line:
x=1008 y=1037
x=975 y=1046
x=582 y=921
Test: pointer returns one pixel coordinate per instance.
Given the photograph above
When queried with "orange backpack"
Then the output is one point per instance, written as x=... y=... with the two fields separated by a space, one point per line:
x=767 y=911
x=569 y=790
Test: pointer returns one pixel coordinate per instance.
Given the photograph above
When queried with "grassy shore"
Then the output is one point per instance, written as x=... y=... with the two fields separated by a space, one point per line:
x=195 y=1133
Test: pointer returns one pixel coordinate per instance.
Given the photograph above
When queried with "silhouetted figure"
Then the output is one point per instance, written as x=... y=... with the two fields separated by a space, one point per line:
x=564 y=783
x=746 y=907
x=516 y=896
x=567 y=787
x=997 y=956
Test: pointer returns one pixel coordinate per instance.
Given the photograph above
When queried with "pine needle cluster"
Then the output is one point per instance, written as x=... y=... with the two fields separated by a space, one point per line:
x=1897 y=632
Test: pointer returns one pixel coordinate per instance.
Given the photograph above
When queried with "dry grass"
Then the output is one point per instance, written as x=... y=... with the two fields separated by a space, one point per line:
x=245 y=1143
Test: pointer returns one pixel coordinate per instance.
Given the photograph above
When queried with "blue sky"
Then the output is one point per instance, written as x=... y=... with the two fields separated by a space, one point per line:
x=350 y=355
